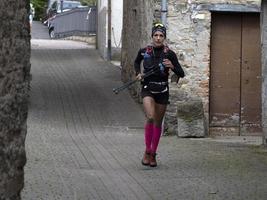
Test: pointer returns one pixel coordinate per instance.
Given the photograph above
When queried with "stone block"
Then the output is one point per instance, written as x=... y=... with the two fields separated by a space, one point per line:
x=190 y=118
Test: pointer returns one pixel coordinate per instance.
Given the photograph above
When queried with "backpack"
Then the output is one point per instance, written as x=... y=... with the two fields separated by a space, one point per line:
x=149 y=53
x=149 y=50
x=155 y=87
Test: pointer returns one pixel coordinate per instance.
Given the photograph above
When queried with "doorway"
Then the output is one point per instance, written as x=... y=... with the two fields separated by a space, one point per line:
x=235 y=79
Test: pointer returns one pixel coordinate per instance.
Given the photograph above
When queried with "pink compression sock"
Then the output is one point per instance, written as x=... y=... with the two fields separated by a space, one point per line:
x=148 y=136
x=155 y=138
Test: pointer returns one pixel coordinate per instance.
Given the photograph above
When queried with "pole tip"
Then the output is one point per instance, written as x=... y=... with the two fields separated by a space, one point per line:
x=115 y=91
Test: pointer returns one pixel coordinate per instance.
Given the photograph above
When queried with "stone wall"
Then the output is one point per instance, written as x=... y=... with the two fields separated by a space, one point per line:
x=189 y=26
x=14 y=85
x=91 y=40
x=188 y=34
x=189 y=37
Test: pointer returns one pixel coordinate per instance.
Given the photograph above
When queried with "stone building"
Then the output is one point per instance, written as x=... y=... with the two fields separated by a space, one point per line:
x=218 y=43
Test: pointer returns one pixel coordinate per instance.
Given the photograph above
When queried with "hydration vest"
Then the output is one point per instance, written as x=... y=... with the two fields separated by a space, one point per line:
x=151 y=62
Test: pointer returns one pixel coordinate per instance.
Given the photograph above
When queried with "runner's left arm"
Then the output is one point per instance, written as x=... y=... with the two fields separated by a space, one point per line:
x=178 y=70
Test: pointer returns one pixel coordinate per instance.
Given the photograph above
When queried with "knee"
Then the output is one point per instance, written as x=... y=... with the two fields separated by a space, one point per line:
x=150 y=120
x=157 y=123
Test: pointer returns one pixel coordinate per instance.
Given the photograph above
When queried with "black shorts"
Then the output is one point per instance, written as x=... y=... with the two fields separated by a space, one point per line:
x=160 y=98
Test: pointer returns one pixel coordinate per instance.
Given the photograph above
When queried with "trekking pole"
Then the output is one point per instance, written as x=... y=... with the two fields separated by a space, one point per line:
x=128 y=84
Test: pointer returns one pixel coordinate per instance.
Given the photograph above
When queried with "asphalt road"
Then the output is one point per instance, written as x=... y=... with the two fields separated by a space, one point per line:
x=39 y=31
x=84 y=142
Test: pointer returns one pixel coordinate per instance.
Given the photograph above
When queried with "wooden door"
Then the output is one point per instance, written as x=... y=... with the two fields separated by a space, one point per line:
x=235 y=88
x=250 y=75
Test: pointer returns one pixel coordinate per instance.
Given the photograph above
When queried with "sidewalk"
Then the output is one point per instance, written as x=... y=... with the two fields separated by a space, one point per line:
x=249 y=140
x=86 y=143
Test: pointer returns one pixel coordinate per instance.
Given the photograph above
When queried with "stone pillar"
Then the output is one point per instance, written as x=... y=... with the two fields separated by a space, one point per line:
x=264 y=70
x=14 y=84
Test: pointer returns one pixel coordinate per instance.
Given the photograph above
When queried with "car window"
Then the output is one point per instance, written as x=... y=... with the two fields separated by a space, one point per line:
x=70 y=5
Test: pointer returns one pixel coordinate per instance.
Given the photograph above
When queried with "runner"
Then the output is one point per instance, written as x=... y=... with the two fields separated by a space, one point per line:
x=155 y=89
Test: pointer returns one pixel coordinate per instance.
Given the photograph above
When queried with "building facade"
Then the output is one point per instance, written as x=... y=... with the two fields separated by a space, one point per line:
x=109 y=28
x=218 y=43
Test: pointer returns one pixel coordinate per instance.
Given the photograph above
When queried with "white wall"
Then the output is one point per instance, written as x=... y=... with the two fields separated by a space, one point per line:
x=116 y=25
x=102 y=27
x=116 y=22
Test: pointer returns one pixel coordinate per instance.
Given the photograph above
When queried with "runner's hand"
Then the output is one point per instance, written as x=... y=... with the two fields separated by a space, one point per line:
x=168 y=63
x=139 y=77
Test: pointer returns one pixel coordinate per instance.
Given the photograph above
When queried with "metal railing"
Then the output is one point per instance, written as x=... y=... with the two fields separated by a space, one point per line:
x=75 y=22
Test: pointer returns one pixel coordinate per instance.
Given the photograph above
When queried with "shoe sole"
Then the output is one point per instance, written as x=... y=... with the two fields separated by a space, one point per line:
x=145 y=164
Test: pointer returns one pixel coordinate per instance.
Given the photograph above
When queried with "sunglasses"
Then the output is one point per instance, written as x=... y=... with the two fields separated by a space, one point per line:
x=158 y=25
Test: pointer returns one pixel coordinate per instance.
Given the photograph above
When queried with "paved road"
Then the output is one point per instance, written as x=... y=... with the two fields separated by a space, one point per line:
x=39 y=31
x=86 y=143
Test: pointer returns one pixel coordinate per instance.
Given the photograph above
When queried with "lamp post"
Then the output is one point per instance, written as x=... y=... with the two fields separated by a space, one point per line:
x=61 y=6
x=109 y=31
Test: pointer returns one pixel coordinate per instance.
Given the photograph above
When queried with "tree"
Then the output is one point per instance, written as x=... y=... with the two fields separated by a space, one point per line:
x=40 y=7
x=15 y=81
x=88 y=2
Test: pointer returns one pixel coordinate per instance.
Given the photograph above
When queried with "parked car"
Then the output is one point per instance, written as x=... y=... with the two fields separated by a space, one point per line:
x=55 y=8
x=67 y=5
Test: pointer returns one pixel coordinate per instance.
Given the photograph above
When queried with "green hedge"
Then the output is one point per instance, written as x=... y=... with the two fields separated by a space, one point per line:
x=88 y=2
x=40 y=7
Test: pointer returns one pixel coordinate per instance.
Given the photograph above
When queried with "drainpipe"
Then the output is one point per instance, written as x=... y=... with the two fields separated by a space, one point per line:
x=164 y=11
x=109 y=31
x=61 y=6
x=264 y=70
